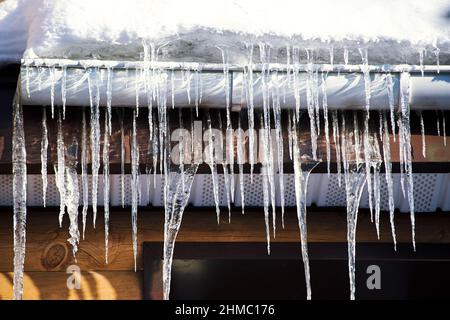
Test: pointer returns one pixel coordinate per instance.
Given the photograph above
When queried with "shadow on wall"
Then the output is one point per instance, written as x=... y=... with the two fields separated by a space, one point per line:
x=112 y=285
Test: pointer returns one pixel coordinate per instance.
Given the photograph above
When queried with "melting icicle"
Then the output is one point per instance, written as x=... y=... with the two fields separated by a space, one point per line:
x=301 y=185
x=279 y=140
x=109 y=91
x=365 y=69
x=94 y=98
x=52 y=89
x=310 y=97
x=176 y=201
x=44 y=151
x=405 y=145
x=345 y=56
x=325 y=115
x=390 y=90
x=63 y=90
x=84 y=175
x=265 y=173
x=248 y=79
x=226 y=176
x=422 y=130
x=354 y=184
x=336 y=139
x=212 y=164
x=106 y=184
x=241 y=159
x=134 y=187
x=60 y=169
x=267 y=136
x=421 y=55
x=388 y=175
x=19 y=157
x=436 y=52
x=72 y=194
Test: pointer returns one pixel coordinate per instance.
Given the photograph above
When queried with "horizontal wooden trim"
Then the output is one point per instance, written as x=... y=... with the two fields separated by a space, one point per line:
x=48 y=249
x=94 y=285
x=437 y=154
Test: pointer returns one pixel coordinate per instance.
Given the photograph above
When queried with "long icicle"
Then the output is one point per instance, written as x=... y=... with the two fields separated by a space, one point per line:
x=388 y=174
x=134 y=187
x=19 y=157
x=84 y=174
x=95 y=135
x=44 y=152
x=106 y=183
x=405 y=145
x=60 y=169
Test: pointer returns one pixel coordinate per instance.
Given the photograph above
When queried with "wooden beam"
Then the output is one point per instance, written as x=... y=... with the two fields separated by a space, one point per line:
x=436 y=151
x=48 y=249
x=94 y=285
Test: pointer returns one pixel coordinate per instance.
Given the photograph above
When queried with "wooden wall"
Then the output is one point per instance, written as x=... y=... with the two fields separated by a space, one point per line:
x=49 y=254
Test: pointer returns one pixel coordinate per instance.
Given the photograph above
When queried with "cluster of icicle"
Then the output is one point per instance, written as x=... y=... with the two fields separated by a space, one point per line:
x=359 y=156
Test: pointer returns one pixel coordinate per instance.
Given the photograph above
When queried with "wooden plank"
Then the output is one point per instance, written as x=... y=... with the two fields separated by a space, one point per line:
x=436 y=151
x=48 y=249
x=94 y=285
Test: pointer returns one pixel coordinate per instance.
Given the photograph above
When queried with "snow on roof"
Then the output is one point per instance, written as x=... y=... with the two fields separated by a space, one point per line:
x=393 y=31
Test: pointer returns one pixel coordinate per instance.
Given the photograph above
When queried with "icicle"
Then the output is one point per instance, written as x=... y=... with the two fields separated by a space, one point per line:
x=405 y=145
x=137 y=89
x=366 y=72
x=331 y=51
x=390 y=90
x=345 y=56
x=290 y=140
x=248 y=79
x=134 y=186
x=155 y=152
x=122 y=161
x=388 y=175
x=44 y=151
x=265 y=173
x=52 y=89
x=422 y=130
x=109 y=91
x=354 y=185
x=212 y=164
x=267 y=136
x=94 y=97
x=106 y=183
x=84 y=174
x=325 y=115
x=72 y=194
x=421 y=54
x=241 y=161
x=279 y=139
x=63 y=90
x=336 y=135
x=310 y=97
x=60 y=169
x=226 y=176
x=176 y=201
x=19 y=157
x=301 y=185
x=368 y=162
x=436 y=52
x=376 y=164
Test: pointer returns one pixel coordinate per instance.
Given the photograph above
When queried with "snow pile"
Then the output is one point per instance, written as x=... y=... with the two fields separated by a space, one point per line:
x=191 y=30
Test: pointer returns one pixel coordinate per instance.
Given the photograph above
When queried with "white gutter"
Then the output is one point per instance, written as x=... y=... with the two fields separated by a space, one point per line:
x=345 y=86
